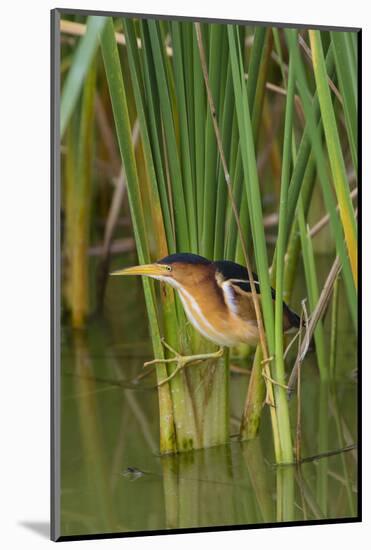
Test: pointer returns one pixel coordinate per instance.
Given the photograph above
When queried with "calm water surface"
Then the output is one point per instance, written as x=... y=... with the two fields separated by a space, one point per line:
x=113 y=479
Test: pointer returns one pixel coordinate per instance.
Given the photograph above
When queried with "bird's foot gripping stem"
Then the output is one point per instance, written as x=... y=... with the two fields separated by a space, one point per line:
x=182 y=360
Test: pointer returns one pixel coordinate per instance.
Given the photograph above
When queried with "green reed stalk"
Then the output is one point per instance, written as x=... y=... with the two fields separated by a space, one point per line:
x=251 y=183
x=209 y=406
x=199 y=109
x=142 y=78
x=184 y=133
x=217 y=37
x=255 y=396
x=345 y=70
x=123 y=129
x=293 y=245
x=281 y=439
x=321 y=165
x=302 y=181
x=303 y=171
x=227 y=110
x=178 y=197
x=313 y=291
x=82 y=59
x=185 y=425
x=82 y=204
x=161 y=89
x=335 y=153
x=164 y=94
x=255 y=88
x=256 y=81
x=280 y=393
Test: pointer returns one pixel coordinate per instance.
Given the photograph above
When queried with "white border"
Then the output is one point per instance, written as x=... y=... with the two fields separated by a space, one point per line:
x=24 y=272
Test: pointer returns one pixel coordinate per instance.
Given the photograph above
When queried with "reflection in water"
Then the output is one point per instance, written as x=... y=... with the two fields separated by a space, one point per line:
x=94 y=460
x=109 y=430
x=113 y=479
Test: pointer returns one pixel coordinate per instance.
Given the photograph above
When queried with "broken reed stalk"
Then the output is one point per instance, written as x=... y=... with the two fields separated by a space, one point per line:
x=314 y=318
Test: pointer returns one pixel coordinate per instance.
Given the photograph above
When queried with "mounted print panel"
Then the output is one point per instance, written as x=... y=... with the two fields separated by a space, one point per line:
x=205 y=274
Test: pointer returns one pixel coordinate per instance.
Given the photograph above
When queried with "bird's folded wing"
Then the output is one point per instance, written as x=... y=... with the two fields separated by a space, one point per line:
x=244 y=286
x=241 y=294
x=238 y=297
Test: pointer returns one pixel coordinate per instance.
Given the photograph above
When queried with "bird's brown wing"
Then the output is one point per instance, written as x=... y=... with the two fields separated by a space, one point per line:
x=242 y=298
x=233 y=279
x=244 y=304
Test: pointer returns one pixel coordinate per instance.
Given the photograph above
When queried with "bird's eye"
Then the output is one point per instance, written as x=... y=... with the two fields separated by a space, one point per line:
x=168 y=268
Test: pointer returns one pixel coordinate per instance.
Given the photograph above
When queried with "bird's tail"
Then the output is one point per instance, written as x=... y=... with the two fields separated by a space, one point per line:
x=293 y=318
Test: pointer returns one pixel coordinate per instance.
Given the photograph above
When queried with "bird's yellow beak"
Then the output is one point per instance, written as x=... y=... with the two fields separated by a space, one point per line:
x=151 y=270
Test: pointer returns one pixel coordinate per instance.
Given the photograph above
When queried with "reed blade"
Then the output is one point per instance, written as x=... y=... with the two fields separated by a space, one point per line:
x=81 y=62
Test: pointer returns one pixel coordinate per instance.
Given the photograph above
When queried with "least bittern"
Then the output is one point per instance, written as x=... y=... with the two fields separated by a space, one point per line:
x=216 y=297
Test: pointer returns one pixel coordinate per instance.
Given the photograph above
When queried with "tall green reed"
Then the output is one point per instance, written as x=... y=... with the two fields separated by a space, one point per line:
x=199 y=398
x=78 y=198
x=298 y=201
x=178 y=195
x=123 y=128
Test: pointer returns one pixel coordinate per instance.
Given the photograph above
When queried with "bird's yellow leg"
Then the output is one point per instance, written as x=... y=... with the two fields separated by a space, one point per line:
x=182 y=360
x=267 y=377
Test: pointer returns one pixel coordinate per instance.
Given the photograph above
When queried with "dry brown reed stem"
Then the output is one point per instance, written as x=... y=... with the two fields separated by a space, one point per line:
x=112 y=219
x=272 y=219
x=315 y=317
x=78 y=29
x=107 y=135
x=118 y=195
x=118 y=246
x=239 y=370
x=281 y=91
x=227 y=178
x=272 y=87
x=326 y=454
